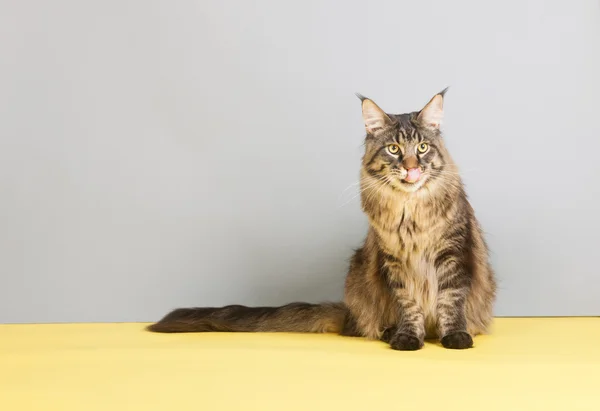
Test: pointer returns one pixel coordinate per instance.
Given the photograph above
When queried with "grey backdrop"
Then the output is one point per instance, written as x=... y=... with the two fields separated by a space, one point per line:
x=157 y=154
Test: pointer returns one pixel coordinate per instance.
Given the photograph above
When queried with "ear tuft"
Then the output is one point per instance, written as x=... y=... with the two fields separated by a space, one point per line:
x=360 y=96
x=374 y=118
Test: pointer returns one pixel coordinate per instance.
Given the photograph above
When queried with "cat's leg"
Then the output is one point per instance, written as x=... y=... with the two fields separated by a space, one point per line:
x=451 y=314
x=366 y=297
x=364 y=319
x=350 y=328
x=409 y=334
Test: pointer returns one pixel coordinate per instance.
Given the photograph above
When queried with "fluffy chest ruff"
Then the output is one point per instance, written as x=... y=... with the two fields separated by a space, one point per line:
x=409 y=240
x=411 y=268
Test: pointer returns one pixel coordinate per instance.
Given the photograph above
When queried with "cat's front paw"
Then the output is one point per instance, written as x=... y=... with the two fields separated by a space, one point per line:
x=388 y=334
x=405 y=342
x=458 y=340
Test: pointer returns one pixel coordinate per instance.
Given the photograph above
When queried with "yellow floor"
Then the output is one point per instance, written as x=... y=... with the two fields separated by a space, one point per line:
x=527 y=364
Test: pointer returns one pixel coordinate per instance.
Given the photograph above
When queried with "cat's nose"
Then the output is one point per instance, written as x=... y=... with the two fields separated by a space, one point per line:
x=410 y=162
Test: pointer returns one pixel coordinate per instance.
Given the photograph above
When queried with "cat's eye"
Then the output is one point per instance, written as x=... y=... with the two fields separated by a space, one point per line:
x=423 y=147
x=393 y=148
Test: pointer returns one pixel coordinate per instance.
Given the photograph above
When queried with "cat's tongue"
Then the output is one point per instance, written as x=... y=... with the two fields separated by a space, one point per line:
x=413 y=175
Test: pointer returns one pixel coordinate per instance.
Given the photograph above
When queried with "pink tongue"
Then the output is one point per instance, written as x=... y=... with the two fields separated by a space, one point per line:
x=413 y=175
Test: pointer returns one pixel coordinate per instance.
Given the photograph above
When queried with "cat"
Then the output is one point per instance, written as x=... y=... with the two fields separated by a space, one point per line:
x=423 y=271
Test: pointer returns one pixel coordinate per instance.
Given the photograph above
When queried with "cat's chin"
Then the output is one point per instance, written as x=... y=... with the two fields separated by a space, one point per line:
x=407 y=187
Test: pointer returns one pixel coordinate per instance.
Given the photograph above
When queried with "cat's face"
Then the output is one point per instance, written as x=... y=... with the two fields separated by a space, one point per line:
x=404 y=151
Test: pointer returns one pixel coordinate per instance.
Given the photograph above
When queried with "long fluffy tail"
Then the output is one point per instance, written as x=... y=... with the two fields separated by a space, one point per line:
x=295 y=317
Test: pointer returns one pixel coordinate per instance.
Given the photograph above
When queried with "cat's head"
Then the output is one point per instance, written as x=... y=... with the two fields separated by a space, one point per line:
x=405 y=151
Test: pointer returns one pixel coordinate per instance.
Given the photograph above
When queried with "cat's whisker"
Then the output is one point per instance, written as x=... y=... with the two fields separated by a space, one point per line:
x=373 y=195
x=353 y=185
x=358 y=183
x=350 y=186
x=369 y=185
x=368 y=191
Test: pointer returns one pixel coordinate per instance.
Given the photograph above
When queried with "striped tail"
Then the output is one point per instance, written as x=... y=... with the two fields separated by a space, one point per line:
x=295 y=317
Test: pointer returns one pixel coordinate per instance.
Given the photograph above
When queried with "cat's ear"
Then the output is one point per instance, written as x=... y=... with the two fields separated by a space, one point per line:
x=432 y=114
x=374 y=118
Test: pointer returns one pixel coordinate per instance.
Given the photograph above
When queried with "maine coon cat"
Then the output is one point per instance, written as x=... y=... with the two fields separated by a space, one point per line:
x=423 y=270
